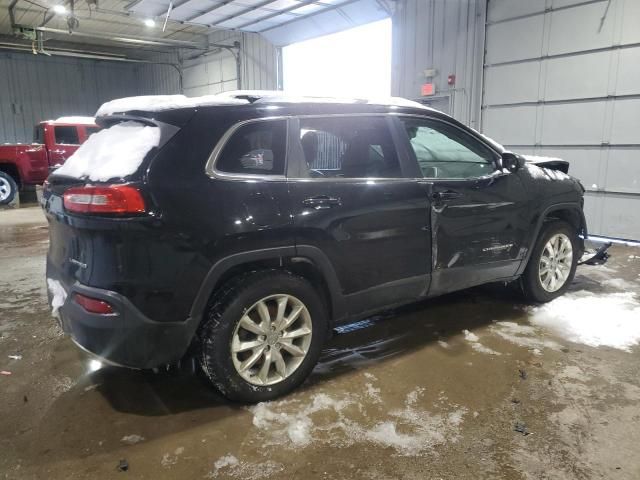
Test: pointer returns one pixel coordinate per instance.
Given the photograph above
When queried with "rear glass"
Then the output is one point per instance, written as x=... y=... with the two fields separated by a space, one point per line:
x=66 y=135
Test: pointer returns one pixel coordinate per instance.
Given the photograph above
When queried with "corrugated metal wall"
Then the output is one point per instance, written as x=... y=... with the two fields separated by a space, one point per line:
x=216 y=71
x=562 y=78
x=36 y=87
x=447 y=36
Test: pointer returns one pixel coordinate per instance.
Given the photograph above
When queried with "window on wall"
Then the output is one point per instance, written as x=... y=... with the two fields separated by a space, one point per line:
x=352 y=63
x=357 y=147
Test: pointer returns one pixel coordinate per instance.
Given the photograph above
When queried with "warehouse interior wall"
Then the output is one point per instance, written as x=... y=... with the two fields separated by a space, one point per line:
x=216 y=70
x=38 y=87
x=433 y=39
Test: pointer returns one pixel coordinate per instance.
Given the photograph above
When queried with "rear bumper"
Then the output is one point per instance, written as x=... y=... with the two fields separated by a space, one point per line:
x=126 y=338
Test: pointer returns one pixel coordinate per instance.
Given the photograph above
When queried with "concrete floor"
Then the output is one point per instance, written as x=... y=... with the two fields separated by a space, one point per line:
x=408 y=396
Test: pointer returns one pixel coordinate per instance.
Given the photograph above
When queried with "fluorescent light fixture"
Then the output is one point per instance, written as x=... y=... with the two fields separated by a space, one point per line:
x=60 y=9
x=149 y=22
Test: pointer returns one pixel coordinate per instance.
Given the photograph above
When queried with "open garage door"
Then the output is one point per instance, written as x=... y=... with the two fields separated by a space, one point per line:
x=562 y=78
x=352 y=63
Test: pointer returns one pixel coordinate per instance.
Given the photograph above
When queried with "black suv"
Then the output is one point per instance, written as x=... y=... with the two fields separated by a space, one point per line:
x=251 y=228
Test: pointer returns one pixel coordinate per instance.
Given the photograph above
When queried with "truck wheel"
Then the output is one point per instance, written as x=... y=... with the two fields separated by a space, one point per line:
x=552 y=264
x=8 y=188
x=262 y=335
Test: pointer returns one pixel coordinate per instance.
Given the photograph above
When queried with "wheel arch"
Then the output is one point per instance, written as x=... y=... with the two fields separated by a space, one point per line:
x=307 y=261
x=12 y=170
x=571 y=213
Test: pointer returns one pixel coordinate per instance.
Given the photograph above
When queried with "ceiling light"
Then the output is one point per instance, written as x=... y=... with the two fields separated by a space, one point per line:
x=149 y=22
x=61 y=9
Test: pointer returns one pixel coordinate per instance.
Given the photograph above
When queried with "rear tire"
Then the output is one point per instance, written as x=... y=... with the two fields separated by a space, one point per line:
x=8 y=188
x=262 y=335
x=552 y=264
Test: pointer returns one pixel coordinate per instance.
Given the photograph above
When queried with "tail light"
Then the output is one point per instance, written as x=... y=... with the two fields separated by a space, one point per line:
x=104 y=199
x=93 y=305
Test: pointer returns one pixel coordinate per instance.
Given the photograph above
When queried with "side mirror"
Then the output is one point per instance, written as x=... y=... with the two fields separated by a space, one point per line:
x=512 y=161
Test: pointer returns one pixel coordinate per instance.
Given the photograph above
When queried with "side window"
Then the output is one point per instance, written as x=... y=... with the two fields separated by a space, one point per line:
x=38 y=134
x=444 y=151
x=66 y=135
x=349 y=147
x=256 y=148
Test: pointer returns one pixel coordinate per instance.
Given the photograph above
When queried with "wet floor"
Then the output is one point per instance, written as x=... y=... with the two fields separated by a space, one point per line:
x=470 y=386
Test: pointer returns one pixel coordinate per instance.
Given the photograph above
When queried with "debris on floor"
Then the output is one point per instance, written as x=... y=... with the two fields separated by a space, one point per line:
x=123 y=465
x=15 y=357
x=520 y=427
x=132 y=439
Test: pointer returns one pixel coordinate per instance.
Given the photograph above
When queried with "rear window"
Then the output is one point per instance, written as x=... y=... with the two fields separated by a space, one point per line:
x=257 y=148
x=66 y=135
x=114 y=152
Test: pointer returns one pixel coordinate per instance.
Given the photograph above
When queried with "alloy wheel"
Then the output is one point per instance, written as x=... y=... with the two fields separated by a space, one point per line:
x=271 y=339
x=5 y=189
x=555 y=262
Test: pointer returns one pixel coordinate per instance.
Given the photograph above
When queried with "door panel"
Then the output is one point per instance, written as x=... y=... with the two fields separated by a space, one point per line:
x=478 y=213
x=478 y=233
x=375 y=231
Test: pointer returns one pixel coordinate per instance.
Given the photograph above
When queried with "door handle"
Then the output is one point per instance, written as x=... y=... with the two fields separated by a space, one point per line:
x=321 y=202
x=445 y=195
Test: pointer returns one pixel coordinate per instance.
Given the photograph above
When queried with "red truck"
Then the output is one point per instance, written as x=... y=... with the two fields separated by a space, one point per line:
x=54 y=141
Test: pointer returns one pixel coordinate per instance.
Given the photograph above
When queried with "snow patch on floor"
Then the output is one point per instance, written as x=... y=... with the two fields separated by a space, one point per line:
x=611 y=320
x=525 y=336
x=476 y=345
x=343 y=421
x=230 y=467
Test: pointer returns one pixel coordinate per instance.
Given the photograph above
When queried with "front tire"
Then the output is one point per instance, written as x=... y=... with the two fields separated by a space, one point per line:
x=262 y=335
x=552 y=264
x=8 y=188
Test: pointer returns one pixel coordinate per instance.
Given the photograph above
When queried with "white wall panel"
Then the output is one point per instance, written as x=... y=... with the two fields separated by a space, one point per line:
x=626 y=121
x=628 y=71
x=573 y=124
x=506 y=42
x=511 y=125
x=621 y=216
x=623 y=172
x=631 y=22
x=505 y=9
x=580 y=76
x=512 y=83
x=580 y=28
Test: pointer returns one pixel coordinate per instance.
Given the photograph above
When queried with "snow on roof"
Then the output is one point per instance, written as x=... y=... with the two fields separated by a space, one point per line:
x=78 y=120
x=156 y=103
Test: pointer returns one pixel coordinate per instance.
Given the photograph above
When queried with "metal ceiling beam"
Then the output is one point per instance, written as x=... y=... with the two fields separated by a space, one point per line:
x=332 y=7
x=280 y=12
x=208 y=11
x=243 y=12
x=132 y=39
